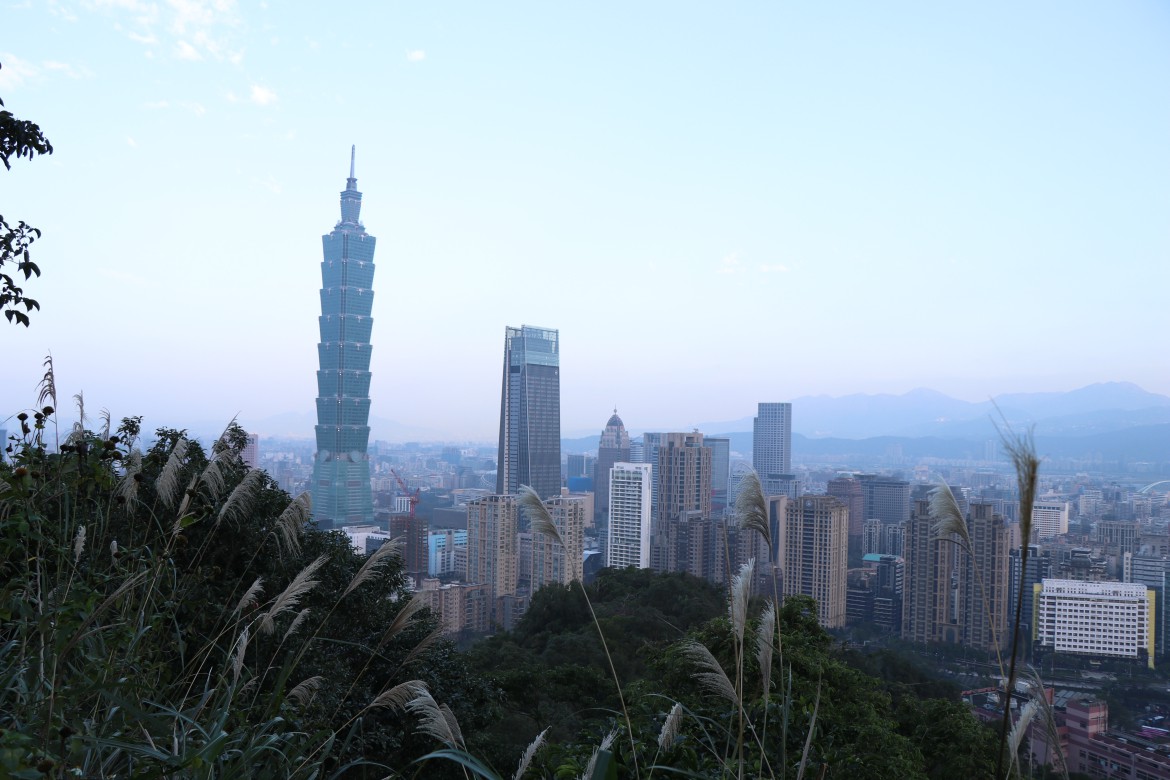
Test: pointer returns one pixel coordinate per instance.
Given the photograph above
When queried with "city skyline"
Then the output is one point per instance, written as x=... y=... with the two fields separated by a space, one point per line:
x=766 y=162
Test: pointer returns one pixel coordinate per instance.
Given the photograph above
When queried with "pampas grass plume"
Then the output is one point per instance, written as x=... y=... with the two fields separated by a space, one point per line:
x=539 y=519
x=948 y=518
x=751 y=508
x=288 y=598
x=670 y=726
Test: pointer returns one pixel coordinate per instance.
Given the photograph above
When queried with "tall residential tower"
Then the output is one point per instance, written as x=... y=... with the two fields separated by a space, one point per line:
x=341 y=466
x=530 y=413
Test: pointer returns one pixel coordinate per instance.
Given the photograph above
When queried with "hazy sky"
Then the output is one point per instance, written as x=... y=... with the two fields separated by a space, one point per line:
x=714 y=205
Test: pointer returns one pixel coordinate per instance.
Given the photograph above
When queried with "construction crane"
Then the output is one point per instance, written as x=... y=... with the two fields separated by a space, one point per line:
x=406 y=492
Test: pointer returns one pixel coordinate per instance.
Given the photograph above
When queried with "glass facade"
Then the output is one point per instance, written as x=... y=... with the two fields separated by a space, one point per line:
x=530 y=413
x=341 y=467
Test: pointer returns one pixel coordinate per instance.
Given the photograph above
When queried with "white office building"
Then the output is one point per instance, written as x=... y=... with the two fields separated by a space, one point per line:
x=629 y=516
x=1095 y=618
x=1049 y=519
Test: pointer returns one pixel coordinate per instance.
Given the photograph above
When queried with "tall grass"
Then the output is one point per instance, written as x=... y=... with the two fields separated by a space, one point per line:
x=124 y=651
x=951 y=526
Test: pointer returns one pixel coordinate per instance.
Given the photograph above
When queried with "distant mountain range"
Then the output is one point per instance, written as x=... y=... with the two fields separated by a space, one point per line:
x=1114 y=420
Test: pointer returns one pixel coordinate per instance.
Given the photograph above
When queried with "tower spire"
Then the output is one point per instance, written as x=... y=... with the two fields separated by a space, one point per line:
x=351 y=199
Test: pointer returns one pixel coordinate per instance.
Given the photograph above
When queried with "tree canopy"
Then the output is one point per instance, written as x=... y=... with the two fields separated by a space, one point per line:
x=18 y=138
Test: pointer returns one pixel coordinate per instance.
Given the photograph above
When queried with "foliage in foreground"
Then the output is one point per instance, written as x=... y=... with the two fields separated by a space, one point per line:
x=18 y=138
x=685 y=705
x=168 y=614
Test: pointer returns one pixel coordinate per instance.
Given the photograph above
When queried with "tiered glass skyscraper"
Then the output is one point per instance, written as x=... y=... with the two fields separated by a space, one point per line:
x=530 y=413
x=341 y=467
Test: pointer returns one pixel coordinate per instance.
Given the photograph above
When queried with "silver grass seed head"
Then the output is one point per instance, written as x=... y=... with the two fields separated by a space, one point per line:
x=764 y=647
x=291 y=595
x=291 y=523
x=740 y=594
x=606 y=744
x=168 y=481
x=250 y=597
x=295 y=624
x=397 y=697
x=242 y=498
x=751 y=507
x=304 y=691
x=670 y=726
x=711 y=675
x=127 y=488
x=1022 y=450
x=79 y=543
x=526 y=759
x=537 y=514
x=374 y=563
x=238 y=660
x=947 y=518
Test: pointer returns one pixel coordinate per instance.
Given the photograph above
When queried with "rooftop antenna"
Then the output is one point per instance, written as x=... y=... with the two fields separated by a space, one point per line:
x=352 y=154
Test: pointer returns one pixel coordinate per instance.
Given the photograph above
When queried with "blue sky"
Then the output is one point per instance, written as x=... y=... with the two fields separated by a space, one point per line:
x=715 y=205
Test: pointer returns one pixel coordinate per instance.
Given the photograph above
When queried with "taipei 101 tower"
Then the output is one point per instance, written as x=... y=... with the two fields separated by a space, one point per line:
x=341 y=467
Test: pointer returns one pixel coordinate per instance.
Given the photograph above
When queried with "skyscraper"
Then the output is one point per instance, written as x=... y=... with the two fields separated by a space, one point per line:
x=772 y=445
x=613 y=447
x=951 y=594
x=493 y=555
x=683 y=503
x=530 y=413
x=816 y=552
x=560 y=563
x=885 y=498
x=629 y=516
x=848 y=491
x=720 y=447
x=341 y=466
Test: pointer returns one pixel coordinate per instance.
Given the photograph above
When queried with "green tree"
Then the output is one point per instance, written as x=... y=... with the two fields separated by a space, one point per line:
x=18 y=138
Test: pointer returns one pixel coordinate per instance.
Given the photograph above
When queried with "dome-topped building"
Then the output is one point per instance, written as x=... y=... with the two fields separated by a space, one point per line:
x=614 y=447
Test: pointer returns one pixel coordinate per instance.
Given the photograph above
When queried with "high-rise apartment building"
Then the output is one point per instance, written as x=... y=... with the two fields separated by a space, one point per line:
x=613 y=447
x=722 y=502
x=341 y=465
x=927 y=606
x=772 y=444
x=683 y=496
x=816 y=552
x=984 y=576
x=493 y=549
x=560 y=563
x=1153 y=571
x=1038 y=568
x=950 y=594
x=530 y=413
x=872 y=541
x=847 y=490
x=895 y=539
x=628 y=543
x=251 y=453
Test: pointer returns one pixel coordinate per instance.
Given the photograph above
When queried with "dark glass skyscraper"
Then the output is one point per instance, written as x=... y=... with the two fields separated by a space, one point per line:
x=530 y=413
x=341 y=467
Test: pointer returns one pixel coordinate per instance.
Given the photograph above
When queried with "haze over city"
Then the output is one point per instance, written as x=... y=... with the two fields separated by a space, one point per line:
x=713 y=208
